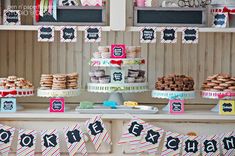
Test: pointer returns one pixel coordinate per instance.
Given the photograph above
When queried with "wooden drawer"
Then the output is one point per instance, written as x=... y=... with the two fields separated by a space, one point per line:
x=40 y=125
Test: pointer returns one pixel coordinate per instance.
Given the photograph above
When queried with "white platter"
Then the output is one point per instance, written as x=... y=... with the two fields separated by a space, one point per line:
x=58 y=93
x=16 y=92
x=169 y=94
x=118 y=88
x=113 y=62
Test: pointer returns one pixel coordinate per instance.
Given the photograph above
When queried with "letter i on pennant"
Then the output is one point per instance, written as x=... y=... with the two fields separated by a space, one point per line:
x=26 y=142
x=6 y=137
x=97 y=131
x=50 y=142
x=134 y=133
x=74 y=140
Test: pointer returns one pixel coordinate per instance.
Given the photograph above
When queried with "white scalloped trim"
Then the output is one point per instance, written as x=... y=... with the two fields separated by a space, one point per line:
x=120 y=88
x=58 y=93
x=167 y=94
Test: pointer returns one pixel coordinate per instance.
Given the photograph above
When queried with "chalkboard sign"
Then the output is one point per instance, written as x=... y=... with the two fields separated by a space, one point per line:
x=11 y=17
x=190 y=35
x=46 y=34
x=173 y=16
x=226 y=107
x=148 y=35
x=84 y=16
x=169 y=35
x=220 y=20
x=68 y=34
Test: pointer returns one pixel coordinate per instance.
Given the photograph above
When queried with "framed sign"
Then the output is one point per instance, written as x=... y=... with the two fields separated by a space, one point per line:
x=220 y=20
x=169 y=35
x=118 y=51
x=176 y=106
x=117 y=76
x=46 y=34
x=190 y=35
x=68 y=34
x=8 y=105
x=93 y=34
x=227 y=107
x=148 y=35
x=11 y=17
x=57 y=105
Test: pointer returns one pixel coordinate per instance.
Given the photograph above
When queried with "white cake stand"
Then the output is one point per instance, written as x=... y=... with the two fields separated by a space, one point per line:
x=58 y=94
x=172 y=95
x=218 y=95
x=14 y=93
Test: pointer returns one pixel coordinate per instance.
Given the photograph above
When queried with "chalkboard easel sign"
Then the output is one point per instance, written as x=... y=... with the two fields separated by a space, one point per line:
x=74 y=15
x=149 y=16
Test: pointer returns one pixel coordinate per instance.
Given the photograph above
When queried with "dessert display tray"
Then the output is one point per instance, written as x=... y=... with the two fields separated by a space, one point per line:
x=114 y=62
x=218 y=95
x=99 y=109
x=118 y=88
x=16 y=92
x=58 y=93
x=170 y=94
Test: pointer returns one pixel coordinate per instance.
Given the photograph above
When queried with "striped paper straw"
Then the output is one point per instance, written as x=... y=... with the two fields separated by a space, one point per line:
x=80 y=146
x=26 y=151
x=100 y=137
x=50 y=151
x=171 y=152
x=5 y=148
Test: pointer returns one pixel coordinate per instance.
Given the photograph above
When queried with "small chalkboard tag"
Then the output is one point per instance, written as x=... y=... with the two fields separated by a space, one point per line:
x=74 y=140
x=118 y=51
x=8 y=105
x=220 y=20
x=169 y=35
x=50 y=142
x=26 y=142
x=117 y=76
x=176 y=106
x=172 y=144
x=57 y=105
x=93 y=34
x=190 y=35
x=148 y=35
x=191 y=145
x=6 y=137
x=210 y=145
x=227 y=141
x=46 y=34
x=68 y=34
x=227 y=107
x=11 y=17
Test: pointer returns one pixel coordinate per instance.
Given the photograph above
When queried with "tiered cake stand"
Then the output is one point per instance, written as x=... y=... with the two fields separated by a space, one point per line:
x=219 y=96
x=58 y=93
x=116 y=89
x=14 y=93
x=182 y=95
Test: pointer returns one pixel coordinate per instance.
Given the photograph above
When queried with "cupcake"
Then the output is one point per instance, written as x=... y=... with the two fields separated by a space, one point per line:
x=104 y=79
x=97 y=55
x=131 y=54
x=94 y=79
x=99 y=73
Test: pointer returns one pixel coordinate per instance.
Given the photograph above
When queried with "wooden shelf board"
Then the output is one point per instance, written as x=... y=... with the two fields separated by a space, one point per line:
x=39 y=112
x=35 y=27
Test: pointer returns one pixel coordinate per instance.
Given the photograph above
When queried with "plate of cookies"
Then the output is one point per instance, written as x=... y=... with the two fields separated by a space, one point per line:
x=219 y=86
x=174 y=86
x=58 y=85
x=14 y=86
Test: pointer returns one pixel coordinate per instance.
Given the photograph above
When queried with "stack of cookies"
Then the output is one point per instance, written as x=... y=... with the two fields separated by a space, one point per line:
x=175 y=83
x=12 y=82
x=219 y=82
x=59 y=81
x=46 y=81
x=72 y=81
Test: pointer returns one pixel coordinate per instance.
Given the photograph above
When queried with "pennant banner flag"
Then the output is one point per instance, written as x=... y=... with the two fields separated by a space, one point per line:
x=74 y=140
x=151 y=140
x=227 y=141
x=50 y=142
x=93 y=34
x=190 y=35
x=148 y=35
x=134 y=133
x=26 y=142
x=191 y=145
x=210 y=145
x=6 y=136
x=172 y=144
x=97 y=131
